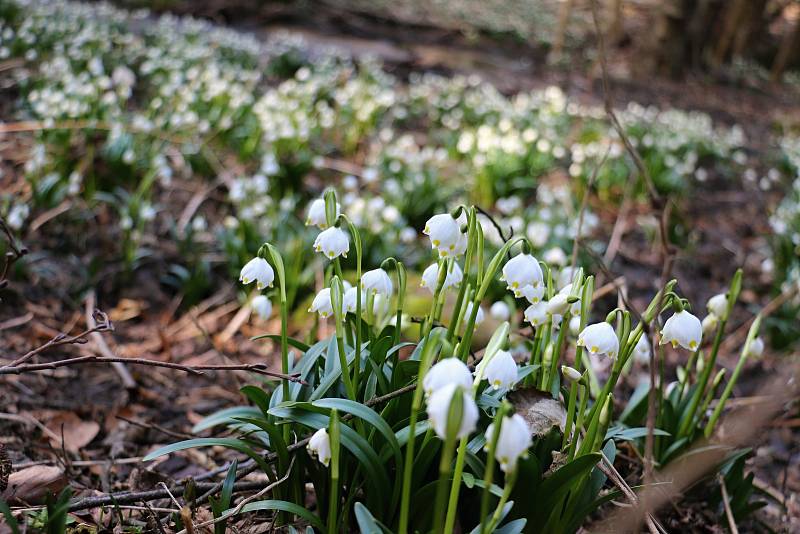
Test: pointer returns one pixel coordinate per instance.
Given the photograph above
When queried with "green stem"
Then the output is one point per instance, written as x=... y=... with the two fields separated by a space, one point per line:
x=333 y=498
x=488 y=476
x=510 y=480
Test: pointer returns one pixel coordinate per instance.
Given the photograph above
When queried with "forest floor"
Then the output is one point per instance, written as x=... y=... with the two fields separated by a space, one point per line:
x=83 y=424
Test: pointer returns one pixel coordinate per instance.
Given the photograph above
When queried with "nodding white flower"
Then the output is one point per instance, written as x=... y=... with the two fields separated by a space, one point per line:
x=349 y=300
x=444 y=233
x=377 y=282
x=430 y=277
x=258 y=270
x=710 y=323
x=756 y=348
x=320 y=446
x=512 y=443
x=501 y=371
x=533 y=294
x=641 y=352
x=557 y=305
x=575 y=325
x=536 y=314
x=439 y=409
x=555 y=256
x=322 y=303
x=262 y=306
x=447 y=371
x=461 y=245
x=317 y=216
x=500 y=311
x=479 y=317
x=520 y=271
x=718 y=305
x=565 y=276
x=570 y=373
x=332 y=242
x=599 y=338
x=682 y=329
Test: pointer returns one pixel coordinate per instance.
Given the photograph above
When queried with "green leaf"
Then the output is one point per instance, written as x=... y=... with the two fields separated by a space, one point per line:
x=367 y=414
x=11 y=521
x=257 y=396
x=225 y=417
x=284 y=506
x=231 y=443
x=367 y=524
x=224 y=501
x=629 y=434
x=299 y=345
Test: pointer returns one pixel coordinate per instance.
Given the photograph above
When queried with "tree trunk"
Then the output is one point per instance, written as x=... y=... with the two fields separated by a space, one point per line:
x=789 y=45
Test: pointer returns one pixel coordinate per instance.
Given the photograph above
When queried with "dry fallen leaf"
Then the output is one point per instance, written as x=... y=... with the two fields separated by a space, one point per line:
x=541 y=411
x=33 y=484
x=76 y=432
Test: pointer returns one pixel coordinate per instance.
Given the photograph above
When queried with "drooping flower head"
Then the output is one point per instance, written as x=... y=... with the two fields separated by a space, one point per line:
x=430 y=277
x=520 y=271
x=332 y=243
x=501 y=371
x=444 y=233
x=349 y=300
x=257 y=270
x=536 y=314
x=377 y=282
x=500 y=311
x=599 y=338
x=512 y=443
x=683 y=329
x=447 y=371
x=322 y=303
x=718 y=305
x=534 y=295
x=320 y=446
x=641 y=352
x=479 y=315
x=439 y=409
x=262 y=306
x=317 y=216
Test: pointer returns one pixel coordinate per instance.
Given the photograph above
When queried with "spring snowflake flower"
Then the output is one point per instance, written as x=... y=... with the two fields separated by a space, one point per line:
x=500 y=311
x=430 y=276
x=332 y=242
x=257 y=270
x=316 y=214
x=536 y=314
x=479 y=317
x=262 y=306
x=641 y=352
x=557 y=305
x=756 y=348
x=682 y=329
x=575 y=325
x=512 y=443
x=439 y=409
x=320 y=446
x=718 y=305
x=447 y=371
x=520 y=271
x=444 y=233
x=555 y=256
x=570 y=373
x=599 y=338
x=533 y=294
x=501 y=371
x=322 y=303
x=710 y=323
x=377 y=282
x=349 y=300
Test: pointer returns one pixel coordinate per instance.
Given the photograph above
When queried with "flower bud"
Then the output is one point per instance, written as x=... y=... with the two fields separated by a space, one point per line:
x=570 y=373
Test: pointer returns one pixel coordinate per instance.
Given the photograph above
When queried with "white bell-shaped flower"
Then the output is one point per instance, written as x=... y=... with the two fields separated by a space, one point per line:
x=575 y=325
x=512 y=443
x=257 y=270
x=683 y=329
x=756 y=348
x=570 y=373
x=710 y=323
x=332 y=242
x=479 y=316
x=501 y=371
x=641 y=352
x=349 y=300
x=557 y=305
x=377 y=282
x=320 y=446
x=444 y=233
x=322 y=303
x=534 y=294
x=599 y=338
x=536 y=314
x=430 y=276
x=718 y=305
x=520 y=271
x=461 y=245
x=439 y=409
x=447 y=371
x=555 y=256
x=316 y=214
x=262 y=306
x=500 y=311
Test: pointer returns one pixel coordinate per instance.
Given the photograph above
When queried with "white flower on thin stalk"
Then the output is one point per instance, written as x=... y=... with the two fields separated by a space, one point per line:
x=447 y=371
x=461 y=245
x=575 y=325
x=501 y=371
x=322 y=303
x=718 y=305
x=479 y=316
x=349 y=300
x=682 y=329
x=557 y=305
x=641 y=352
x=257 y=270
x=555 y=256
x=444 y=233
x=710 y=323
x=320 y=446
x=262 y=306
x=599 y=338
x=500 y=311
x=512 y=443
x=520 y=271
x=317 y=216
x=533 y=294
x=439 y=410
x=377 y=282
x=756 y=348
x=332 y=242
x=536 y=314
x=430 y=277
